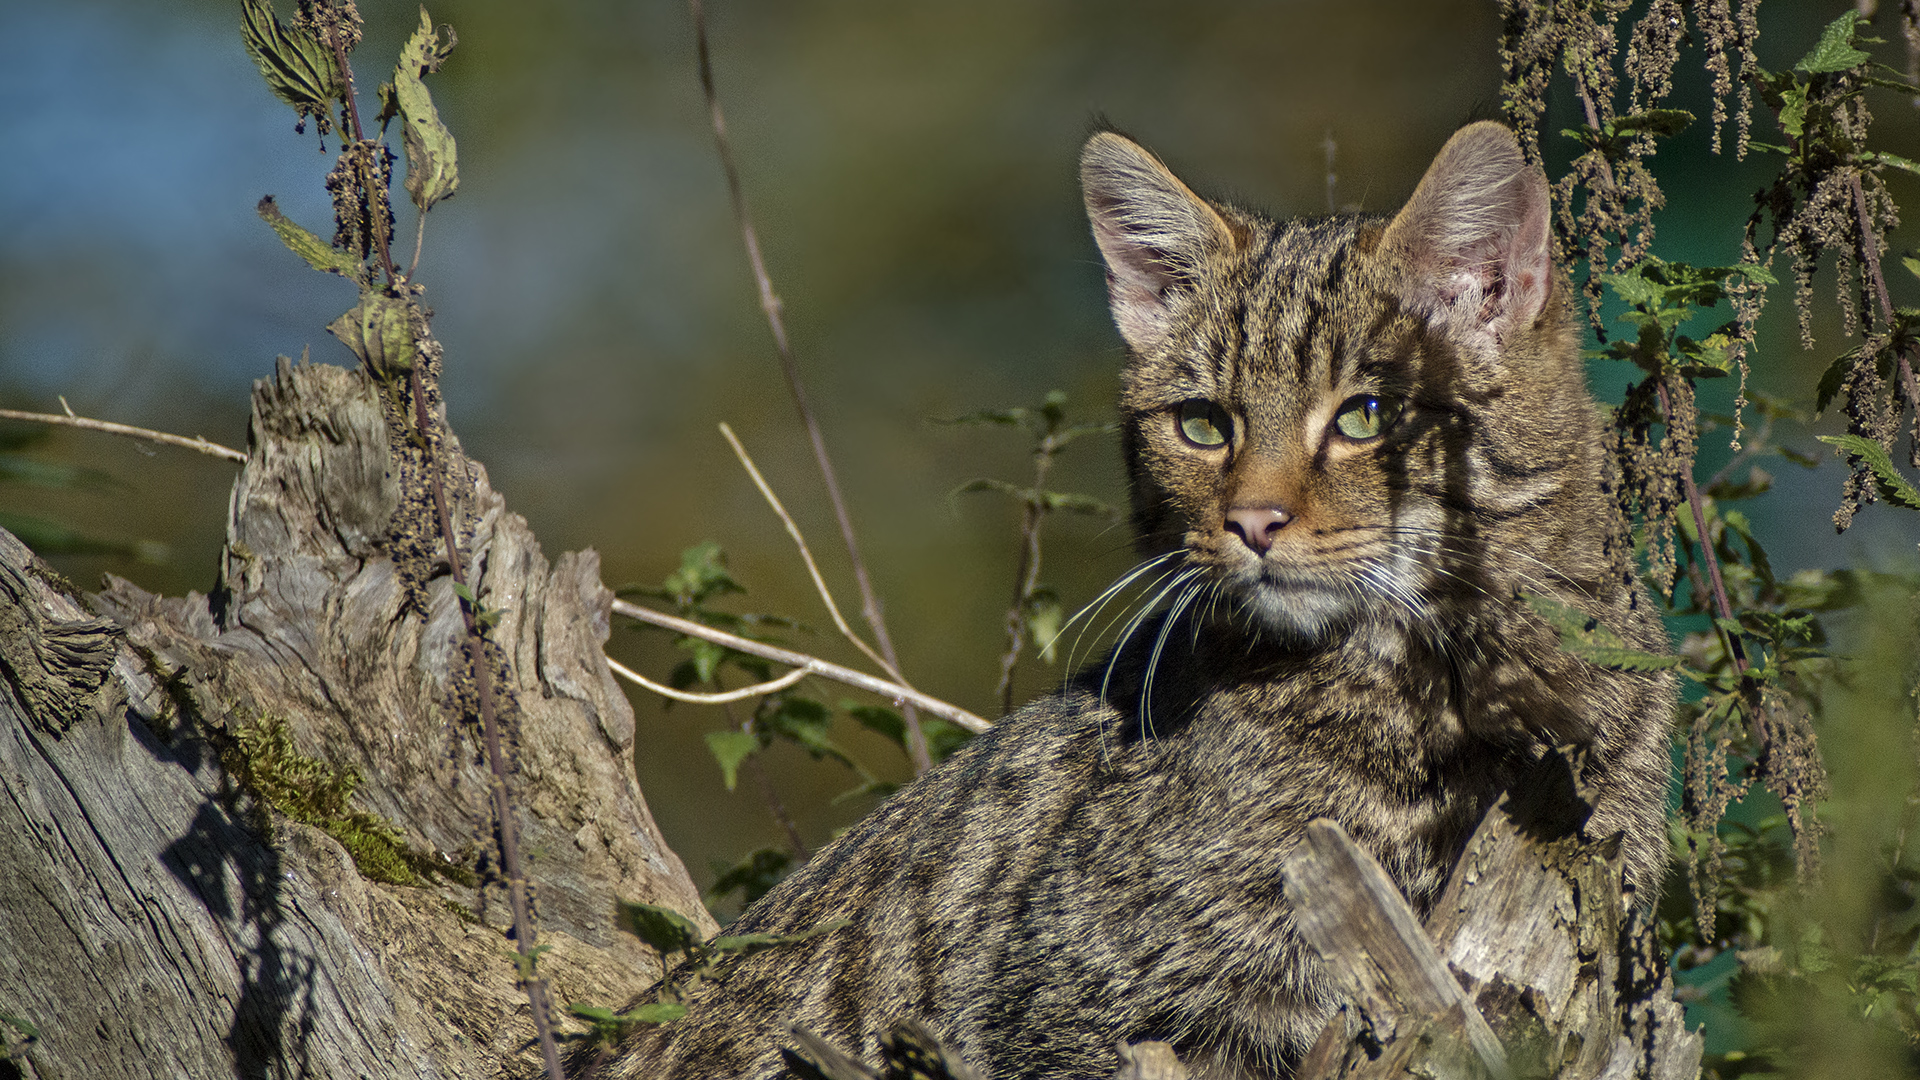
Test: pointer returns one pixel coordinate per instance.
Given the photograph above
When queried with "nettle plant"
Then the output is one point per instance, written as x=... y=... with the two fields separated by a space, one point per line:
x=1754 y=918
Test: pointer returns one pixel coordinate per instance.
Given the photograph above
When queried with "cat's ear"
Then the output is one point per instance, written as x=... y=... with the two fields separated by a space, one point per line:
x=1153 y=231
x=1477 y=237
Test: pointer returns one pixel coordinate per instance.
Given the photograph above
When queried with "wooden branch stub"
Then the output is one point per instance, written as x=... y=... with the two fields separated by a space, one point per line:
x=1349 y=910
x=1529 y=958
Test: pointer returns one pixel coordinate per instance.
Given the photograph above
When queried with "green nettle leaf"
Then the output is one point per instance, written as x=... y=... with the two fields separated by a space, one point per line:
x=806 y=722
x=1657 y=121
x=753 y=877
x=943 y=737
x=1069 y=503
x=433 y=171
x=1881 y=157
x=379 y=330
x=1835 y=52
x=1893 y=487
x=1833 y=380
x=747 y=944
x=1043 y=622
x=730 y=748
x=1793 y=111
x=1584 y=636
x=1912 y=264
x=319 y=254
x=664 y=929
x=299 y=70
x=701 y=576
x=707 y=657
x=659 y=1012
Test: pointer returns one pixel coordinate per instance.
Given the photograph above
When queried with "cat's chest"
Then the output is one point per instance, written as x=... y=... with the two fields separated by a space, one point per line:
x=1398 y=769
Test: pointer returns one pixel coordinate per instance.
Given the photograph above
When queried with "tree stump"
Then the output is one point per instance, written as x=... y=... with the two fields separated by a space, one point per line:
x=1529 y=965
x=161 y=919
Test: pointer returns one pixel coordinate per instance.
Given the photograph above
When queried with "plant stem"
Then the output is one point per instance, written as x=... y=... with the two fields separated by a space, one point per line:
x=894 y=692
x=1870 y=254
x=503 y=808
x=1026 y=577
x=375 y=221
x=770 y=305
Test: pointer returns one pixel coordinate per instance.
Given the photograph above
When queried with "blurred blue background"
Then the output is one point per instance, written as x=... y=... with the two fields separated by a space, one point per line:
x=912 y=173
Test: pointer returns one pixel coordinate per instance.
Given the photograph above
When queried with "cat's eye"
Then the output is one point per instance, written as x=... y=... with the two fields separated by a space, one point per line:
x=1365 y=416
x=1205 y=424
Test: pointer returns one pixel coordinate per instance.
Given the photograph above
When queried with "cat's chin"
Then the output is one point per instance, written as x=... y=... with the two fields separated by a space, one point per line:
x=1301 y=616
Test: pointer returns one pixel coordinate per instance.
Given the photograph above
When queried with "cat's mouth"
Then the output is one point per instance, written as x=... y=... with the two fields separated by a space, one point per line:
x=1301 y=606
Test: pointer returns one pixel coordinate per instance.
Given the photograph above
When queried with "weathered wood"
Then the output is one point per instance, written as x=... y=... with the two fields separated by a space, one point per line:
x=1544 y=957
x=1390 y=973
x=156 y=923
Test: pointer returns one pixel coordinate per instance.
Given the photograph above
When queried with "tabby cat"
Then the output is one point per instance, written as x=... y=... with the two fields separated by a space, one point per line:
x=1354 y=444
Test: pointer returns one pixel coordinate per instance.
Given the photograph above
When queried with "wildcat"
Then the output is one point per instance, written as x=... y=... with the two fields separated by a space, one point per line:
x=1353 y=443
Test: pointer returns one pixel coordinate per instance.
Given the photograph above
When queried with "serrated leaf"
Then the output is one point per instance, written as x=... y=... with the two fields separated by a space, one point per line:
x=433 y=171
x=663 y=929
x=319 y=254
x=1005 y=417
x=1068 y=503
x=1586 y=637
x=1043 y=616
x=943 y=737
x=1893 y=487
x=707 y=657
x=1835 y=52
x=984 y=483
x=658 y=1012
x=1881 y=157
x=299 y=69
x=1832 y=381
x=379 y=330
x=804 y=721
x=748 y=944
x=1657 y=121
x=752 y=877
x=1912 y=264
x=1793 y=112
x=730 y=748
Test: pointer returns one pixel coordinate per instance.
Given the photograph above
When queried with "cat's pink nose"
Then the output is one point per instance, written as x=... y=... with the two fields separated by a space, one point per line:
x=1256 y=526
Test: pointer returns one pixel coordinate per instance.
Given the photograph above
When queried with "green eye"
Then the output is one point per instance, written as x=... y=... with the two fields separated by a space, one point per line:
x=1203 y=423
x=1365 y=416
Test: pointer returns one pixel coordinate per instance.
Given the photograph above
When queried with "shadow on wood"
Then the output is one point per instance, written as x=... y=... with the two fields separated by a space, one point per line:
x=158 y=920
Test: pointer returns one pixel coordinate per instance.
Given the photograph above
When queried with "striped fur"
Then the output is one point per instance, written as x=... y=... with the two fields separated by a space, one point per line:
x=1104 y=865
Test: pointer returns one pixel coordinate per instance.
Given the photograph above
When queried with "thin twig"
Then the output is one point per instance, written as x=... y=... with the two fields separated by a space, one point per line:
x=756 y=690
x=806 y=556
x=770 y=305
x=900 y=695
x=1026 y=577
x=1869 y=252
x=211 y=449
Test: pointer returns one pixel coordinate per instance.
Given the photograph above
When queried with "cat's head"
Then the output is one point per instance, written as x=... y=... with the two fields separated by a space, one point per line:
x=1354 y=417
